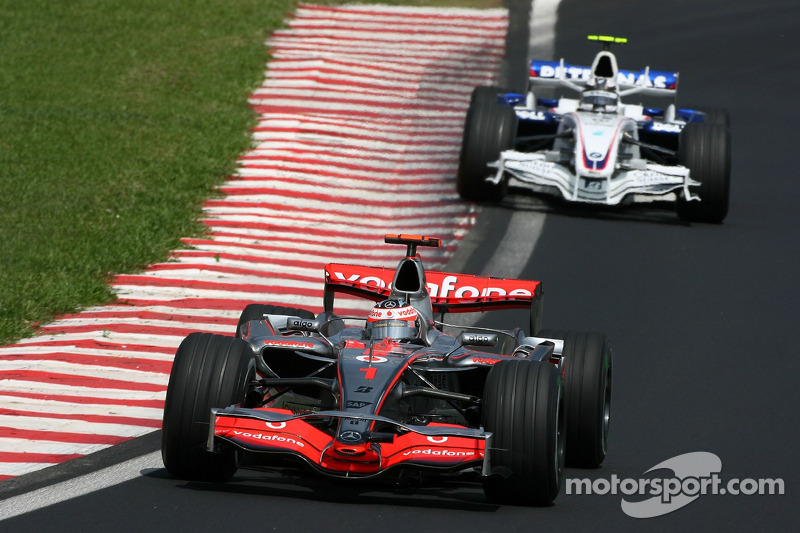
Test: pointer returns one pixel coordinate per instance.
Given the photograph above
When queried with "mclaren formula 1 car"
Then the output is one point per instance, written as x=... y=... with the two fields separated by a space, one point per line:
x=389 y=394
x=593 y=148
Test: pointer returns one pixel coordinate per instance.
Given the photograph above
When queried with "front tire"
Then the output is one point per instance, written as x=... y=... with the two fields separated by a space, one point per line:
x=209 y=371
x=523 y=411
x=704 y=148
x=490 y=128
x=587 y=395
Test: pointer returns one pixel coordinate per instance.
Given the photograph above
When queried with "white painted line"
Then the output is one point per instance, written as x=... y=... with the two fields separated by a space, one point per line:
x=544 y=16
x=73 y=488
x=118 y=396
x=56 y=425
x=8 y=445
x=109 y=321
x=80 y=409
x=516 y=248
x=76 y=370
x=114 y=337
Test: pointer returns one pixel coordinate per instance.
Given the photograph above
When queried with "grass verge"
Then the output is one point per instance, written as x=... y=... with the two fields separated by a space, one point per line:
x=117 y=119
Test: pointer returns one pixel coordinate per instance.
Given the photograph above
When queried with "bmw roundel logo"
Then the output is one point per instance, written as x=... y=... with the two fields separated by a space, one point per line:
x=595 y=155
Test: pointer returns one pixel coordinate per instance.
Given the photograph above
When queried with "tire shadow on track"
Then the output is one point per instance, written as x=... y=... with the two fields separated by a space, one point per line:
x=656 y=212
x=436 y=493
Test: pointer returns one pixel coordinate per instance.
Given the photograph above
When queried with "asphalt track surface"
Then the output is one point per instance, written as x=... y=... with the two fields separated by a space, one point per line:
x=703 y=320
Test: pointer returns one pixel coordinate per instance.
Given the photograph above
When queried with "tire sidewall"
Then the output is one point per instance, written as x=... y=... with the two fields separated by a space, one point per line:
x=523 y=409
x=208 y=371
x=704 y=148
x=490 y=128
x=588 y=374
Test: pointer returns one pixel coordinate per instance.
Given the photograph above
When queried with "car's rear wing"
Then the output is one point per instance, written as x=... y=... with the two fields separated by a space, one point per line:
x=661 y=83
x=449 y=293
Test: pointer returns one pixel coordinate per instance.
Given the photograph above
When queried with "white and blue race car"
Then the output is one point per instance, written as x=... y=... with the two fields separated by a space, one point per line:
x=596 y=149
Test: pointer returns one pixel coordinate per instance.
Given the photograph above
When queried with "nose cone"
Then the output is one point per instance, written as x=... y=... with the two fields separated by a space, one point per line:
x=351 y=457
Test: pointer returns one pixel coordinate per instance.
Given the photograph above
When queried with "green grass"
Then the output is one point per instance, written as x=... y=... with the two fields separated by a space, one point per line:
x=117 y=119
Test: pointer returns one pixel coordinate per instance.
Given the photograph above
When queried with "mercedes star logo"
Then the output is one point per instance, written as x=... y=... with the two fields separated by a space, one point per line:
x=350 y=436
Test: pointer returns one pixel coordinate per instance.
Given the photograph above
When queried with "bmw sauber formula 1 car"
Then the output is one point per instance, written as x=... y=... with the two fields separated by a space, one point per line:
x=389 y=394
x=594 y=148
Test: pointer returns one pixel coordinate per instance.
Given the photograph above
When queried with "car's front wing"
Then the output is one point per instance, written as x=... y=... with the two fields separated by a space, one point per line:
x=536 y=170
x=436 y=446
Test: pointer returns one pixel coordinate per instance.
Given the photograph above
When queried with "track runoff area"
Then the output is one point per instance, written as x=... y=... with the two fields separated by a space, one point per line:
x=360 y=118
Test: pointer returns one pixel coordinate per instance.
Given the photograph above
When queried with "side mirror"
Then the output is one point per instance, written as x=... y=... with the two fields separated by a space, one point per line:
x=302 y=324
x=541 y=352
x=477 y=339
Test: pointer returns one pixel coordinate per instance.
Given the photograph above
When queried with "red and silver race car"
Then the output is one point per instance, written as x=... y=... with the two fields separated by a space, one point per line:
x=390 y=393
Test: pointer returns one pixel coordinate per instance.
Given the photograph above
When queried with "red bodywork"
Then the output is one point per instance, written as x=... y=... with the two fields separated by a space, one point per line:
x=319 y=449
x=448 y=292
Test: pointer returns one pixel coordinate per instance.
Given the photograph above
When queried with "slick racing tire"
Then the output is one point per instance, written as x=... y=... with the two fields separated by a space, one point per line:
x=209 y=371
x=716 y=115
x=490 y=128
x=704 y=148
x=523 y=411
x=257 y=312
x=587 y=395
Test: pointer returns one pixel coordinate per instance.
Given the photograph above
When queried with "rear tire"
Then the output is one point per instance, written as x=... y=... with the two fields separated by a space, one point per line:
x=523 y=411
x=490 y=128
x=587 y=395
x=704 y=148
x=717 y=115
x=258 y=311
x=209 y=371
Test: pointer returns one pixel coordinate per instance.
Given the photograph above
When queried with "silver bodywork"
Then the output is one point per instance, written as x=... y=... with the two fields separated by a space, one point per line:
x=596 y=156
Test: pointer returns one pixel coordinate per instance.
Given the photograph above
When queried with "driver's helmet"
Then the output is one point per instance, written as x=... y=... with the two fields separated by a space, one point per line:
x=600 y=95
x=393 y=319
